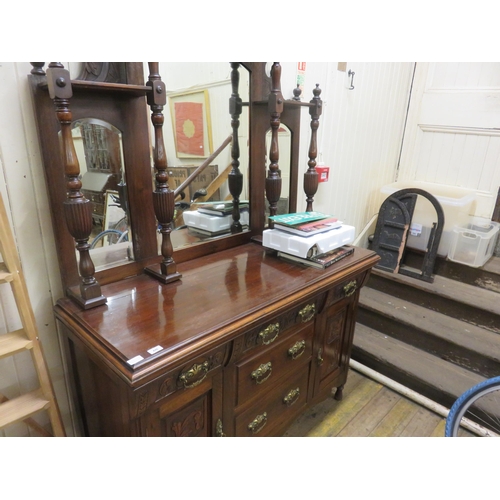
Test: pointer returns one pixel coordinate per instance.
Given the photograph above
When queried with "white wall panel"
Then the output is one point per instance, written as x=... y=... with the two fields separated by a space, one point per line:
x=360 y=134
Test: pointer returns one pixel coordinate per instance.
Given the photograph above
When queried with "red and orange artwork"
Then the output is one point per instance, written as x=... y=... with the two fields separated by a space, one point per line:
x=189 y=128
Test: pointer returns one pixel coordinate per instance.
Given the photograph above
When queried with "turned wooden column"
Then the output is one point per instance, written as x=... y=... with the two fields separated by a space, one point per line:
x=77 y=209
x=235 y=177
x=311 y=175
x=275 y=107
x=163 y=196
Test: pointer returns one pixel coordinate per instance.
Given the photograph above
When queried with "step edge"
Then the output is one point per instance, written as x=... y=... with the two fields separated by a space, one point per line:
x=489 y=344
x=426 y=361
x=445 y=288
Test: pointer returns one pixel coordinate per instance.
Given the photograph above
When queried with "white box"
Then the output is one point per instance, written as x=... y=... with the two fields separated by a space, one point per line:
x=474 y=245
x=306 y=246
x=212 y=223
x=457 y=204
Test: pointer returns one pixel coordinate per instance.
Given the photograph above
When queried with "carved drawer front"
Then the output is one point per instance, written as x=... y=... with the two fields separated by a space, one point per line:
x=347 y=288
x=184 y=378
x=278 y=408
x=262 y=371
x=280 y=327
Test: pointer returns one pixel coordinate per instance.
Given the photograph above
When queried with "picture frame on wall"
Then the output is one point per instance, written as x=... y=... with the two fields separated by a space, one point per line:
x=190 y=113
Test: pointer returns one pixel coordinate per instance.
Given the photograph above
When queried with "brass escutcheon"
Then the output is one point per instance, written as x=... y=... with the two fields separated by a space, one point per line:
x=218 y=429
x=297 y=349
x=270 y=334
x=292 y=397
x=189 y=378
x=307 y=313
x=262 y=373
x=350 y=288
x=258 y=423
x=319 y=358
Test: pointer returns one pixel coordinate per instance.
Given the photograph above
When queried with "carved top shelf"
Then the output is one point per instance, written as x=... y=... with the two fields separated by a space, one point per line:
x=135 y=90
x=286 y=102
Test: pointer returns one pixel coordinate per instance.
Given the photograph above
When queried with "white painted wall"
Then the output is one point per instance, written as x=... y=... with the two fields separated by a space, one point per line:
x=359 y=139
x=22 y=186
x=359 y=136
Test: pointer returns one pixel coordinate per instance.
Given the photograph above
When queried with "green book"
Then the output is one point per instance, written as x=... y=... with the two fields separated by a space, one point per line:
x=298 y=218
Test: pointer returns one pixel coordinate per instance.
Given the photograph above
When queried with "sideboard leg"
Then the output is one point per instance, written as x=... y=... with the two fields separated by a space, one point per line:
x=339 y=393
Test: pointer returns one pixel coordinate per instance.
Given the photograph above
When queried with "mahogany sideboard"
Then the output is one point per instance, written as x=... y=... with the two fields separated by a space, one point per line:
x=240 y=346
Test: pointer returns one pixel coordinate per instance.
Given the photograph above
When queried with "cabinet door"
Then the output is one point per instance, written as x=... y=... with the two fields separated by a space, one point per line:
x=190 y=412
x=334 y=336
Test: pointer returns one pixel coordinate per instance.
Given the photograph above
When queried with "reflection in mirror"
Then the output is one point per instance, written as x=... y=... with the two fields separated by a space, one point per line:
x=285 y=151
x=98 y=145
x=197 y=130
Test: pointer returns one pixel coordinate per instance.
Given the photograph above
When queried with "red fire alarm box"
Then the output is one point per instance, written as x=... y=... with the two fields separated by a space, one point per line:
x=323 y=173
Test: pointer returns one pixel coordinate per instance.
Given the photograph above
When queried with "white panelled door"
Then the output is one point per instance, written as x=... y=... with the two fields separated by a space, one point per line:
x=452 y=135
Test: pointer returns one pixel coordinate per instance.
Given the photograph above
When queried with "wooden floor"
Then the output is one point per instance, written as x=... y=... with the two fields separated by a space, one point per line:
x=368 y=409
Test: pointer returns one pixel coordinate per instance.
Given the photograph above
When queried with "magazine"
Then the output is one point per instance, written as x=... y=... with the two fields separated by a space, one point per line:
x=310 y=228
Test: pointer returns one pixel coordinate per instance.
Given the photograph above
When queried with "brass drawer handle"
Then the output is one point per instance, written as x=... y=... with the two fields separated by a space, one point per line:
x=307 y=313
x=292 y=397
x=258 y=423
x=270 y=334
x=297 y=349
x=262 y=373
x=350 y=288
x=190 y=378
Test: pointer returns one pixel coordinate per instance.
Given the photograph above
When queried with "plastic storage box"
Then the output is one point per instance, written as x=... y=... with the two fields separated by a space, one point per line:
x=304 y=247
x=474 y=245
x=212 y=223
x=458 y=205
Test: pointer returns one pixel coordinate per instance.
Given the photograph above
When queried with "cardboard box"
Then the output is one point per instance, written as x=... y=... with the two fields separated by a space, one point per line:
x=177 y=175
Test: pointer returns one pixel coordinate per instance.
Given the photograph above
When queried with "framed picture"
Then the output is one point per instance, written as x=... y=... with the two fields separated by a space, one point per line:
x=190 y=112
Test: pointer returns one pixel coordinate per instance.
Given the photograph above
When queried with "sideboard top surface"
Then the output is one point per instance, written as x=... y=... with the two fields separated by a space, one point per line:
x=218 y=295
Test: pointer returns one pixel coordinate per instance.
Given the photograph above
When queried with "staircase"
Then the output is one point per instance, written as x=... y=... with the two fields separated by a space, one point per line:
x=436 y=338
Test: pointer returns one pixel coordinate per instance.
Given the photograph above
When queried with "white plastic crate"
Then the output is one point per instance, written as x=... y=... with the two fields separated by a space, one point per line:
x=474 y=245
x=212 y=223
x=306 y=246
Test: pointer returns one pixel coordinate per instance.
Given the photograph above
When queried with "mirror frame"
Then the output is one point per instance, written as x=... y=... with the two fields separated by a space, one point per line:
x=124 y=106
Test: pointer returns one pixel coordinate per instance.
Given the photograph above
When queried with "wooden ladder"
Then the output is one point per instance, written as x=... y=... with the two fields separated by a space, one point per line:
x=23 y=407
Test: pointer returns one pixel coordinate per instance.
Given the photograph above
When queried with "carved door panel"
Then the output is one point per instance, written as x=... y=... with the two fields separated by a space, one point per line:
x=334 y=329
x=191 y=412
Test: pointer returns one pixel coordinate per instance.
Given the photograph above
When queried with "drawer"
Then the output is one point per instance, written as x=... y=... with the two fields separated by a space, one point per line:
x=347 y=288
x=257 y=374
x=283 y=325
x=188 y=377
x=284 y=403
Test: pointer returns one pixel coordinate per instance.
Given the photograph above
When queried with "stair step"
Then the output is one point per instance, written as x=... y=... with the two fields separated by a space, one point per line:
x=466 y=345
x=22 y=407
x=487 y=276
x=459 y=300
x=14 y=342
x=420 y=371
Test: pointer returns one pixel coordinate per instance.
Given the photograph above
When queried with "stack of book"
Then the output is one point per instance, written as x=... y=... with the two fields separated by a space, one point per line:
x=310 y=238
